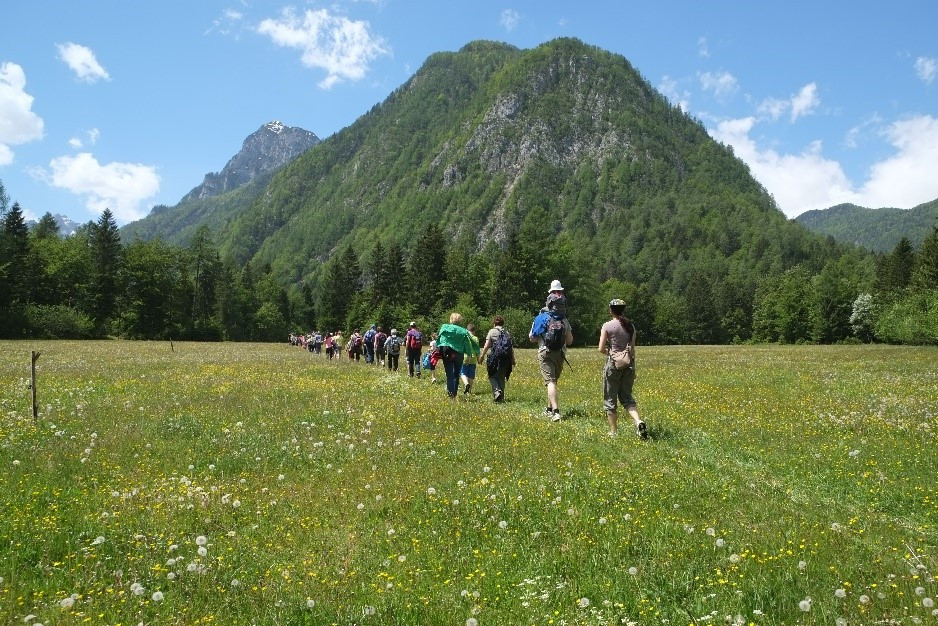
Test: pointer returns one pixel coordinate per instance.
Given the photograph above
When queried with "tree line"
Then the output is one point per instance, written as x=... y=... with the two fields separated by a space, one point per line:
x=91 y=284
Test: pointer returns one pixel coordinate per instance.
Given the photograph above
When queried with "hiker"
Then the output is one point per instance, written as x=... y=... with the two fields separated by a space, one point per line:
x=355 y=343
x=453 y=341
x=368 y=342
x=617 y=342
x=552 y=332
x=330 y=345
x=338 y=341
x=501 y=357
x=467 y=372
x=414 y=343
x=393 y=348
x=381 y=351
x=431 y=358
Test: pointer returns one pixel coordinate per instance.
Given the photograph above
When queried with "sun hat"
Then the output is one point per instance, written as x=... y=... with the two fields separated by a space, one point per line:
x=617 y=302
x=556 y=286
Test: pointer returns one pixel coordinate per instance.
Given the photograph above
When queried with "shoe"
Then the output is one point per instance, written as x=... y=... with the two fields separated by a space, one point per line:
x=641 y=430
x=548 y=412
x=556 y=416
x=612 y=434
x=498 y=395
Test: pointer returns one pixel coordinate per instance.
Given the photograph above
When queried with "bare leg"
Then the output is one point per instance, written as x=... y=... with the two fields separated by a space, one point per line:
x=613 y=422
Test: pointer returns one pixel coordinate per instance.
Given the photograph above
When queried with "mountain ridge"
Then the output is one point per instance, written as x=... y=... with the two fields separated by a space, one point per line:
x=878 y=230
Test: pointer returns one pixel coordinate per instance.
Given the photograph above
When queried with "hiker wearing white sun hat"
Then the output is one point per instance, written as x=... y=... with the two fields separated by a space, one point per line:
x=552 y=332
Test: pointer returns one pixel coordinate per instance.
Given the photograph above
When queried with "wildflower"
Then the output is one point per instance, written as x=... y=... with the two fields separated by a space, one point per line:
x=235 y=582
x=67 y=603
x=201 y=540
x=98 y=540
x=583 y=603
x=928 y=603
x=920 y=591
x=840 y=621
x=633 y=571
x=734 y=558
x=369 y=610
x=802 y=565
x=602 y=521
x=401 y=558
x=137 y=589
x=157 y=596
x=360 y=507
x=280 y=477
x=711 y=532
x=202 y=551
x=310 y=604
x=840 y=593
x=864 y=599
x=472 y=622
x=805 y=605
x=171 y=576
x=503 y=524
x=720 y=542
x=431 y=491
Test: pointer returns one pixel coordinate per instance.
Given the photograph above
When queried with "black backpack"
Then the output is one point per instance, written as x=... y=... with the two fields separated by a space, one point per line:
x=555 y=337
x=500 y=353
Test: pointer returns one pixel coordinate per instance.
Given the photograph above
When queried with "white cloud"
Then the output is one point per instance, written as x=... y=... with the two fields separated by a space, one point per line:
x=120 y=187
x=341 y=47
x=805 y=101
x=774 y=108
x=805 y=181
x=926 y=69
x=77 y=143
x=82 y=61
x=703 y=49
x=18 y=124
x=861 y=130
x=907 y=178
x=226 y=23
x=723 y=85
x=672 y=90
x=509 y=19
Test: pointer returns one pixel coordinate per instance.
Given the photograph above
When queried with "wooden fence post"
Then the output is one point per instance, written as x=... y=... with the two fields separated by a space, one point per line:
x=32 y=382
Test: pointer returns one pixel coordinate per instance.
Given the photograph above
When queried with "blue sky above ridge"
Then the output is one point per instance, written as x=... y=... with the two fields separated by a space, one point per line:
x=126 y=105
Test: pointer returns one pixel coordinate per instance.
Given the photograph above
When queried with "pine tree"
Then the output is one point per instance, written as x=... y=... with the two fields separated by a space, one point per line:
x=925 y=274
x=424 y=269
x=107 y=262
x=46 y=228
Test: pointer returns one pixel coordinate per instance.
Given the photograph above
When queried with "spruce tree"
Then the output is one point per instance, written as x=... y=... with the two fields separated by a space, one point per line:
x=107 y=261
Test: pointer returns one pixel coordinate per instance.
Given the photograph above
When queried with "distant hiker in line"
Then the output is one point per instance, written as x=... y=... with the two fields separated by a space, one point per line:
x=453 y=342
x=355 y=346
x=552 y=332
x=501 y=357
x=338 y=342
x=617 y=342
x=381 y=352
x=413 y=342
x=330 y=346
x=393 y=347
x=369 y=344
x=467 y=372
x=431 y=358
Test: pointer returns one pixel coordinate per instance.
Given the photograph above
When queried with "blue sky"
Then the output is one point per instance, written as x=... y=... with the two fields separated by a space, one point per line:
x=129 y=104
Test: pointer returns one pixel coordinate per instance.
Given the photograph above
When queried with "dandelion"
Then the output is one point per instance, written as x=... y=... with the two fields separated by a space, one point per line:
x=201 y=540
x=157 y=596
x=369 y=610
x=928 y=603
x=401 y=558
x=310 y=603
x=235 y=583
x=503 y=524
x=171 y=576
x=805 y=605
x=633 y=571
x=920 y=591
x=711 y=532
x=583 y=603
x=137 y=589
x=431 y=491
x=202 y=551
x=360 y=507
x=840 y=593
x=472 y=622
x=602 y=521
x=840 y=621
x=802 y=565
x=720 y=542
x=67 y=603
x=98 y=540
x=236 y=504
x=864 y=599
x=734 y=558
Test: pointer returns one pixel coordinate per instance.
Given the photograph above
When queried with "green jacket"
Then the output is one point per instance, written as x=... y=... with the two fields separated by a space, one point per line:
x=458 y=338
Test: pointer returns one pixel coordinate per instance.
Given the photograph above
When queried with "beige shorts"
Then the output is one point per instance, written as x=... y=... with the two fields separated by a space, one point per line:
x=551 y=364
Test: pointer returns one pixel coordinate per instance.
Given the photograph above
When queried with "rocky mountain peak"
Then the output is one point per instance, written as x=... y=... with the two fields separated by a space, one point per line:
x=268 y=148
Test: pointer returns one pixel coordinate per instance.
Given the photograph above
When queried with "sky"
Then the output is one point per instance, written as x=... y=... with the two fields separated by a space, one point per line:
x=125 y=105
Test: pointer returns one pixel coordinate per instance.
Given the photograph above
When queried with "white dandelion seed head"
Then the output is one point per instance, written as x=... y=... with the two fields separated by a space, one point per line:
x=201 y=540
x=864 y=599
x=633 y=571
x=401 y=558
x=157 y=596
x=735 y=558
x=802 y=565
x=805 y=605
x=202 y=551
x=171 y=576
x=431 y=491
x=369 y=610
x=583 y=603
x=67 y=603
x=720 y=542
x=920 y=591
x=840 y=593
x=472 y=622
x=928 y=603
x=840 y=621
x=310 y=603
x=235 y=582
x=711 y=531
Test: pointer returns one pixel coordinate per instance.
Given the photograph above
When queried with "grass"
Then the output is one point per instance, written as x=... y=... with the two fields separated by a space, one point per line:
x=258 y=484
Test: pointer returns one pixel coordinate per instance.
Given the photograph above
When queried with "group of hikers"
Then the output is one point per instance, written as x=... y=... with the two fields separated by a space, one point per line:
x=457 y=347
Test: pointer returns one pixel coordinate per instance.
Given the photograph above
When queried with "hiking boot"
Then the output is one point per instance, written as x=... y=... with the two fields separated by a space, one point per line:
x=498 y=395
x=556 y=416
x=548 y=412
x=641 y=430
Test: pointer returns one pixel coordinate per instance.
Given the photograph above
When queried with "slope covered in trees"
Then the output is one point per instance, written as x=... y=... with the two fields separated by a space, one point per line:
x=874 y=229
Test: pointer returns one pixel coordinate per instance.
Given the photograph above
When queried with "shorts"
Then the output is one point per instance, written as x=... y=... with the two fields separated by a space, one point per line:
x=617 y=386
x=468 y=369
x=551 y=364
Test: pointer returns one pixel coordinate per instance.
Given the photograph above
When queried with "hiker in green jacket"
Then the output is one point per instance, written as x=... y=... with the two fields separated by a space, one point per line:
x=453 y=342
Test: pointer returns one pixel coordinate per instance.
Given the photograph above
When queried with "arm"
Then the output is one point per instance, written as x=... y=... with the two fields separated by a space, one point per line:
x=603 y=339
x=485 y=349
x=569 y=337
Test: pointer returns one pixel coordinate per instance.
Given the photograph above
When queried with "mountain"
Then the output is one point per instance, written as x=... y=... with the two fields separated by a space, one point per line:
x=875 y=229
x=564 y=141
x=237 y=185
x=66 y=225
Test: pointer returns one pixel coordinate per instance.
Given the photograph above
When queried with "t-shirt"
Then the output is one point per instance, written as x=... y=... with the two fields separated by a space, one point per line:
x=475 y=347
x=618 y=338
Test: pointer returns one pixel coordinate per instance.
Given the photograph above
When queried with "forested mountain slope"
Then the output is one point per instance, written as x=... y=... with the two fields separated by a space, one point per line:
x=875 y=229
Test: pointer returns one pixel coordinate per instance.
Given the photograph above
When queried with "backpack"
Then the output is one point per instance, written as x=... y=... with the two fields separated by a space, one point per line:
x=500 y=353
x=380 y=338
x=414 y=339
x=555 y=336
x=394 y=346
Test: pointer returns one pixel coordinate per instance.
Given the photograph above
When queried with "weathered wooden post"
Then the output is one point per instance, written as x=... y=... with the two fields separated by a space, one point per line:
x=32 y=382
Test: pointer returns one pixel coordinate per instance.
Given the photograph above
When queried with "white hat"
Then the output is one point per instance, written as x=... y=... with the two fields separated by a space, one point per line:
x=556 y=286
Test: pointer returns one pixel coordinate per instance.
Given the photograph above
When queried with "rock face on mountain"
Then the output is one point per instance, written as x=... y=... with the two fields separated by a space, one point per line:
x=272 y=146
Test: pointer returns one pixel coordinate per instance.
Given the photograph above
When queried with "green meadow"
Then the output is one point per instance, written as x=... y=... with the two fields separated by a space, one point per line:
x=259 y=484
